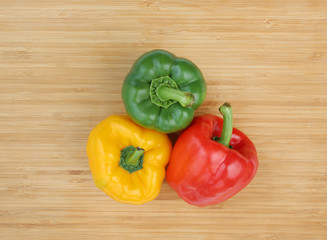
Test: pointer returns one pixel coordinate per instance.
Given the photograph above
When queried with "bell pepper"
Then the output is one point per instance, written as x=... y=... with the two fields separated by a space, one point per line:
x=211 y=161
x=162 y=91
x=127 y=161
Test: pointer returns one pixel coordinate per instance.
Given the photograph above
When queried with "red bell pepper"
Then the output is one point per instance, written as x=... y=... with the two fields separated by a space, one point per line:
x=211 y=161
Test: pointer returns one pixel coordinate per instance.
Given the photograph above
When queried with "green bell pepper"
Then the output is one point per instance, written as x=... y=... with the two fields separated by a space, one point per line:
x=162 y=91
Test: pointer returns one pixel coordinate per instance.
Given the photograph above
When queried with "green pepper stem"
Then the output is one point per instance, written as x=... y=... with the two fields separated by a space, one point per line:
x=165 y=93
x=134 y=158
x=226 y=133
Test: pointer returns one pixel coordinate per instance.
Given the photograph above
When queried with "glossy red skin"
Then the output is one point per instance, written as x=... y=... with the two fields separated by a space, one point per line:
x=204 y=172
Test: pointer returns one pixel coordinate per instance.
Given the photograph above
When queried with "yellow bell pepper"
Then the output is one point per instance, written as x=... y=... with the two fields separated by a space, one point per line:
x=128 y=161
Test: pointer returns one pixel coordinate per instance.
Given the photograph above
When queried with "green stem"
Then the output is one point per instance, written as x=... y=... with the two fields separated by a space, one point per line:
x=134 y=158
x=166 y=93
x=226 y=133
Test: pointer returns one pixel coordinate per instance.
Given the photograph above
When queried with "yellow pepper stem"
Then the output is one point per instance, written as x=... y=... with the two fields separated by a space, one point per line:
x=134 y=158
x=131 y=158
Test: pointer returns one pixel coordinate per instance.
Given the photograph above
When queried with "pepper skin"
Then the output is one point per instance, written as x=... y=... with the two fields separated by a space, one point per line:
x=128 y=161
x=204 y=169
x=162 y=91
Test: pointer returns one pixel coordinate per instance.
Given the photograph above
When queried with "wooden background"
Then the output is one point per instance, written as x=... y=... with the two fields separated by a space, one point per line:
x=62 y=64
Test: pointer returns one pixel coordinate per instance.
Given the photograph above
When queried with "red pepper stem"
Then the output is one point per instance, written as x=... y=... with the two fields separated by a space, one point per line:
x=134 y=158
x=226 y=133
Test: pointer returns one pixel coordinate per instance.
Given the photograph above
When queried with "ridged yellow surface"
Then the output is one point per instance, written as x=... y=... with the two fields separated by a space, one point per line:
x=106 y=141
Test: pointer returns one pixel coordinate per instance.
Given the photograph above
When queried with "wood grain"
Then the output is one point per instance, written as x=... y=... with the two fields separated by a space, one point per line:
x=62 y=64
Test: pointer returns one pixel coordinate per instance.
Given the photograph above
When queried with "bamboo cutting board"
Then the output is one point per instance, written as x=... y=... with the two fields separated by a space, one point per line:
x=62 y=64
